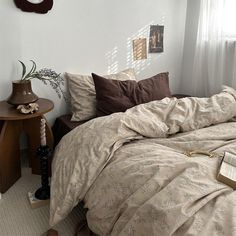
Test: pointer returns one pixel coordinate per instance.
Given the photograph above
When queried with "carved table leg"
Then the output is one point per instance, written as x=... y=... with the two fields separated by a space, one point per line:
x=32 y=129
x=10 y=164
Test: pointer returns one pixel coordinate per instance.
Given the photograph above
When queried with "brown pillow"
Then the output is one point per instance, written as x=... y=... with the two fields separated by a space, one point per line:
x=118 y=96
x=83 y=96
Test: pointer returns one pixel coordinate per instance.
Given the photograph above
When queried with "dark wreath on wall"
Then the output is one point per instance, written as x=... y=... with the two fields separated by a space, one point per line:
x=27 y=5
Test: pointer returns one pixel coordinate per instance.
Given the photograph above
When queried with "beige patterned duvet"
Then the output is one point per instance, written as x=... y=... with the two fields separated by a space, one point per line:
x=134 y=178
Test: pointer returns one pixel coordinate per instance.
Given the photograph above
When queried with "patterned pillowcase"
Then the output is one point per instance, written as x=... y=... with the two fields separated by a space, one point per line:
x=83 y=94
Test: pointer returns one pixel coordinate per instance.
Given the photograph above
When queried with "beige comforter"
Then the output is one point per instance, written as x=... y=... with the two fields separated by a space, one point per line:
x=135 y=181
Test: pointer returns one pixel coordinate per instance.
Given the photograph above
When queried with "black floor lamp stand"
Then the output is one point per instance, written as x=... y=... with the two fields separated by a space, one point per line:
x=43 y=192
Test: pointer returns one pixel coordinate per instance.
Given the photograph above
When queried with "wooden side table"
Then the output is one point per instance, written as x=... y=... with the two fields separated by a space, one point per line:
x=12 y=123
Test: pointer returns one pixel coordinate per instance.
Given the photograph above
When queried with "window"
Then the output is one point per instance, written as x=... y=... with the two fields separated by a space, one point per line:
x=218 y=19
x=229 y=20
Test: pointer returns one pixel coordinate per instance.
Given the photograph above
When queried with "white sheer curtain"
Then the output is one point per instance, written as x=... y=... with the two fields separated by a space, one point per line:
x=215 y=54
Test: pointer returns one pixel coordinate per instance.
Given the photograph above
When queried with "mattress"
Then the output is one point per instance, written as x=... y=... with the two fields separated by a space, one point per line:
x=63 y=123
x=62 y=126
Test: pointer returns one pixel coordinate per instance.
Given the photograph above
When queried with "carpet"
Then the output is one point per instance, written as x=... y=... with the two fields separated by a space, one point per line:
x=17 y=218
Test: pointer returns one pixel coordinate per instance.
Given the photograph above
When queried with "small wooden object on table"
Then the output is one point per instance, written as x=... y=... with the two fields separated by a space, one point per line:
x=12 y=123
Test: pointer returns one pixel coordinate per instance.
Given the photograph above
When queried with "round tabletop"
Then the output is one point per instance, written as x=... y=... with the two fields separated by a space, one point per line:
x=9 y=112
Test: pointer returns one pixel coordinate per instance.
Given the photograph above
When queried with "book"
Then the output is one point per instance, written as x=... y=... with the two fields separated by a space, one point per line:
x=35 y=203
x=227 y=170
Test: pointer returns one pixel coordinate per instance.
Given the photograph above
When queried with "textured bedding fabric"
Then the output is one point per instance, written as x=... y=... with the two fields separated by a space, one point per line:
x=118 y=96
x=136 y=181
x=83 y=95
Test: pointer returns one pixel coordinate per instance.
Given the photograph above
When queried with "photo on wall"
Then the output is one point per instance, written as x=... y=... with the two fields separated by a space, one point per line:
x=156 y=38
x=139 y=49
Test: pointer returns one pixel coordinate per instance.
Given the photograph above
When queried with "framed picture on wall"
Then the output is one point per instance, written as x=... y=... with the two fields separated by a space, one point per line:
x=156 y=38
x=140 y=49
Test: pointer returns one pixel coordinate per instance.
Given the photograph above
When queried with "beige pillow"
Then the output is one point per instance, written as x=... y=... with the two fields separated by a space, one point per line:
x=83 y=95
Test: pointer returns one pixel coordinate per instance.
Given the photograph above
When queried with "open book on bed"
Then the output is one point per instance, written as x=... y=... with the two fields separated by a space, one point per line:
x=227 y=170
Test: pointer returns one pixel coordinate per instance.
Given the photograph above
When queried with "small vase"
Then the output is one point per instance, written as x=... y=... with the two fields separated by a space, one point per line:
x=22 y=93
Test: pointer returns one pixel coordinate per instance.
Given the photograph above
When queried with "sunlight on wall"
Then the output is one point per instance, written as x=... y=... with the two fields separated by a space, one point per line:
x=112 y=61
x=113 y=55
x=139 y=65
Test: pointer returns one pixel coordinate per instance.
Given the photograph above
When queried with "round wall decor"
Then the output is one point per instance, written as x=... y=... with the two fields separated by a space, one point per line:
x=38 y=6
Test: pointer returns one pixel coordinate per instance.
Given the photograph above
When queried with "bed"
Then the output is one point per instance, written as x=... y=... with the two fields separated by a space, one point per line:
x=132 y=172
x=64 y=125
x=131 y=166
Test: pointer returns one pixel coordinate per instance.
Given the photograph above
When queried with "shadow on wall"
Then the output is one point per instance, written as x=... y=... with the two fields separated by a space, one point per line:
x=112 y=61
x=139 y=65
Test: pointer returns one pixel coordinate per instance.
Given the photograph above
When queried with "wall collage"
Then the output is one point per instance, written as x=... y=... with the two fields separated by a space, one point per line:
x=155 y=44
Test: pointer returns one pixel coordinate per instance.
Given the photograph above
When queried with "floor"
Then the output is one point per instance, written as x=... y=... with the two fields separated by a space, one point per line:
x=17 y=218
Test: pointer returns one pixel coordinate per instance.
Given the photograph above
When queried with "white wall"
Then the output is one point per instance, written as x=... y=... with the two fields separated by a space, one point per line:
x=89 y=36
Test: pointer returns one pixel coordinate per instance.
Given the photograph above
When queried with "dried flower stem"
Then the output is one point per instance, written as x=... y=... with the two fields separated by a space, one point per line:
x=46 y=76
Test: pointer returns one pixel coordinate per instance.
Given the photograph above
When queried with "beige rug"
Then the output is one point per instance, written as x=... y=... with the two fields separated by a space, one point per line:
x=17 y=218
